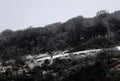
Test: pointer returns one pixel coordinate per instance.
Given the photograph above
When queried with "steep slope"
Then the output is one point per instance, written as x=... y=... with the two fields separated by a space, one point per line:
x=78 y=33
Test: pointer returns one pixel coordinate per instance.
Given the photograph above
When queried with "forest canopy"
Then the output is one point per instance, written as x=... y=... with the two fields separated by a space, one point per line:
x=78 y=33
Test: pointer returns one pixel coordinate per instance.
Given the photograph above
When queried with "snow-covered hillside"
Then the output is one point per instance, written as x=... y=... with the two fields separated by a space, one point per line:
x=37 y=60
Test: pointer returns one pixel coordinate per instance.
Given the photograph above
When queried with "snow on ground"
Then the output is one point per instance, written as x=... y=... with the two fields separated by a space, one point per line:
x=39 y=59
x=118 y=47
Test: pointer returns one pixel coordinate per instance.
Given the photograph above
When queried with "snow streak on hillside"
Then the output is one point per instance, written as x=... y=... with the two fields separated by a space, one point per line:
x=37 y=60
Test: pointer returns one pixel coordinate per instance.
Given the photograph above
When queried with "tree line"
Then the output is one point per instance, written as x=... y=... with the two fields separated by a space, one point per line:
x=78 y=33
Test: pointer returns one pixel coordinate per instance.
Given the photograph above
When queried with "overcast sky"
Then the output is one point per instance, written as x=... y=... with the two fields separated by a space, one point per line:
x=19 y=14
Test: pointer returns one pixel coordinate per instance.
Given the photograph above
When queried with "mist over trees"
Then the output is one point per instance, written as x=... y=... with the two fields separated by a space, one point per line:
x=79 y=33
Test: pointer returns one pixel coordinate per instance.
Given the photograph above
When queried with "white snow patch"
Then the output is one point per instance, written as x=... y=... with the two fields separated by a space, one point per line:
x=118 y=47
